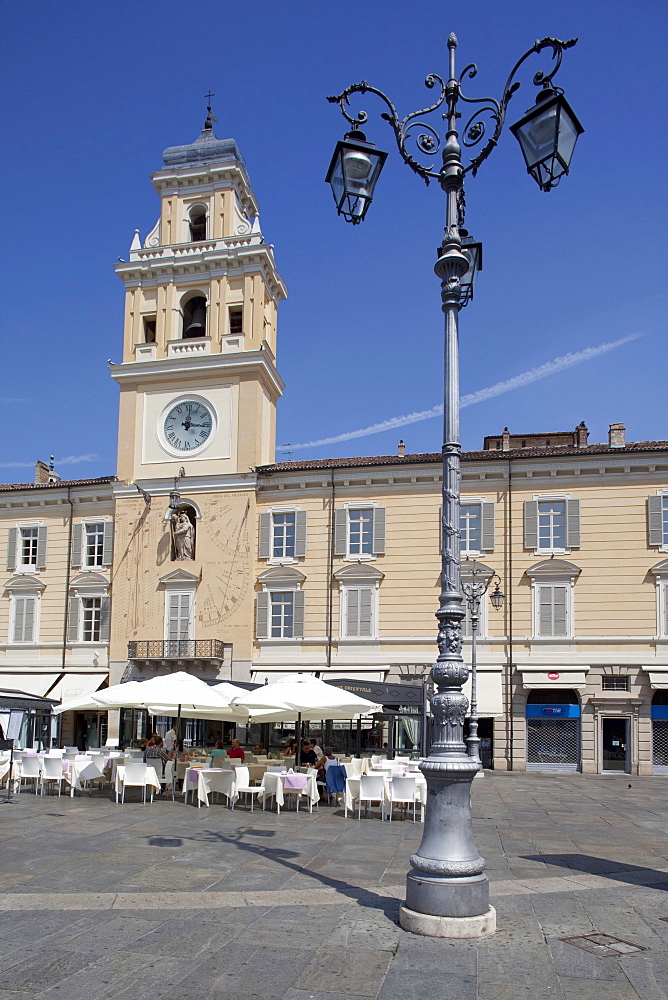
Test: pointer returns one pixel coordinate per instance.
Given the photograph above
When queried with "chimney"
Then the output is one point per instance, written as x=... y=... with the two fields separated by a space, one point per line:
x=581 y=435
x=506 y=440
x=41 y=473
x=617 y=436
x=401 y=448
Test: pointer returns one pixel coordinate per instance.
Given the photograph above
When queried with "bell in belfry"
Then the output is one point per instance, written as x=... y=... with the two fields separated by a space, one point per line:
x=197 y=325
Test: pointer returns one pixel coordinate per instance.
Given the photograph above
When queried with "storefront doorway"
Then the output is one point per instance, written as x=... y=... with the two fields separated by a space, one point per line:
x=660 y=732
x=553 y=730
x=615 y=738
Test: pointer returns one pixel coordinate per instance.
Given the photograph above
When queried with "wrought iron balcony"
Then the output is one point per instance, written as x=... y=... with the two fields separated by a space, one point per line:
x=176 y=649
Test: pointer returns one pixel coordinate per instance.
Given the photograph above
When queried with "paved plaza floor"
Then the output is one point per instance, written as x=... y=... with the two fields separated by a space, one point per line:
x=172 y=902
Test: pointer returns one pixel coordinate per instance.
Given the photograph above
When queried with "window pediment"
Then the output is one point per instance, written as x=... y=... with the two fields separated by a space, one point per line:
x=84 y=580
x=482 y=571
x=25 y=585
x=358 y=571
x=180 y=576
x=661 y=568
x=281 y=574
x=553 y=568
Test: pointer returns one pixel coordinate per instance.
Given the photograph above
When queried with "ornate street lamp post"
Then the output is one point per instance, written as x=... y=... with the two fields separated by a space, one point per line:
x=473 y=590
x=447 y=891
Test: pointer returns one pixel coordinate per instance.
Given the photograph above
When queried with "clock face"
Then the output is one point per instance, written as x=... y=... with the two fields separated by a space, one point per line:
x=188 y=425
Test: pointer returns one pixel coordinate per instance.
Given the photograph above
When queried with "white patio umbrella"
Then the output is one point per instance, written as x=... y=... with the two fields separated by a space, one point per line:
x=84 y=703
x=225 y=713
x=306 y=698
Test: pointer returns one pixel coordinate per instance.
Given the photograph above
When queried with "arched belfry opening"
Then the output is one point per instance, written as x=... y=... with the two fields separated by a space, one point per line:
x=194 y=317
x=197 y=223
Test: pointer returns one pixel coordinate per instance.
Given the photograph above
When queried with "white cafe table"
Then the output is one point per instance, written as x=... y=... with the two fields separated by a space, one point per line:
x=215 y=779
x=151 y=778
x=273 y=784
x=75 y=770
x=353 y=791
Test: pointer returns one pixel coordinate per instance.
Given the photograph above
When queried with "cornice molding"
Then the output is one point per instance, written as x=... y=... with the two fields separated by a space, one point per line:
x=259 y=363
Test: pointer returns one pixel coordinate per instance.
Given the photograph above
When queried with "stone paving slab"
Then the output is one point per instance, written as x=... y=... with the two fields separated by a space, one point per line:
x=175 y=903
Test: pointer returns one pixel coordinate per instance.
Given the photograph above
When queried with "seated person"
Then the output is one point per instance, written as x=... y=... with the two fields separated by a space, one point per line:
x=308 y=757
x=218 y=753
x=291 y=749
x=236 y=751
x=181 y=751
x=155 y=753
x=317 y=750
x=327 y=760
x=260 y=749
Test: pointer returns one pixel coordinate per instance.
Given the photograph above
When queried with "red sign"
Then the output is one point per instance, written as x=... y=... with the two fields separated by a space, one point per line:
x=553 y=677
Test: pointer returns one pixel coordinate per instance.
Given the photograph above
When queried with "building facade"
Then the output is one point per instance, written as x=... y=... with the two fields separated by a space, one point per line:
x=235 y=567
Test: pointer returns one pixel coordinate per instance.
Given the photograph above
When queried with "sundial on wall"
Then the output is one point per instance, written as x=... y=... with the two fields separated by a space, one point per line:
x=226 y=580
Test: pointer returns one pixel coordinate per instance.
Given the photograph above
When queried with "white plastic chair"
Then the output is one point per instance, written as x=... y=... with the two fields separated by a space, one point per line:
x=30 y=768
x=372 y=789
x=402 y=790
x=299 y=792
x=243 y=785
x=135 y=777
x=71 y=752
x=113 y=743
x=169 y=778
x=52 y=770
x=276 y=770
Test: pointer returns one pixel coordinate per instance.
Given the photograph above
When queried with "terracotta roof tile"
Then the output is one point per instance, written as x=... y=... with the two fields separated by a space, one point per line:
x=100 y=481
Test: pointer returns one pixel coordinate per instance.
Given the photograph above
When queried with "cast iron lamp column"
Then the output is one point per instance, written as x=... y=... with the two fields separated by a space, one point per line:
x=447 y=891
x=473 y=592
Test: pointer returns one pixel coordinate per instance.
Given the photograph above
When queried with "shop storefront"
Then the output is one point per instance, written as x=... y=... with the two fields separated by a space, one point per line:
x=660 y=732
x=553 y=730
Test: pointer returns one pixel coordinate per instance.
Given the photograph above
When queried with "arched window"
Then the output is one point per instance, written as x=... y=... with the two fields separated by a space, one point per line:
x=197 y=223
x=194 y=317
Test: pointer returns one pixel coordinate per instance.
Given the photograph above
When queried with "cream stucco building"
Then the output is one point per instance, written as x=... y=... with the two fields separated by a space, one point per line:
x=235 y=567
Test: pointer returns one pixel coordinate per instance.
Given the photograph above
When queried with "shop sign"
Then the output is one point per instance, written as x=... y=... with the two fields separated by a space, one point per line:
x=553 y=677
x=554 y=710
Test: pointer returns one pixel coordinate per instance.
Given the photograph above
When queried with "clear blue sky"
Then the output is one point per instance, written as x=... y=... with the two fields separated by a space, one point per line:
x=93 y=92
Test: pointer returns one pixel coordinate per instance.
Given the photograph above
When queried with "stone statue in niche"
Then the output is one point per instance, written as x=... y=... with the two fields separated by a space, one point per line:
x=184 y=536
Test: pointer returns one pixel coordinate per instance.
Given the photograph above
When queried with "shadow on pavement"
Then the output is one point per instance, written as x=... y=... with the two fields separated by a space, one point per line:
x=632 y=874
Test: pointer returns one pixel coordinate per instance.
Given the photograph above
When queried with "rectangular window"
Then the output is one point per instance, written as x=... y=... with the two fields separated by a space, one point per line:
x=360 y=532
x=236 y=320
x=552 y=611
x=282 y=614
x=179 y=617
x=284 y=530
x=615 y=684
x=91 y=619
x=25 y=609
x=552 y=524
x=28 y=550
x=358 y=616
x=470 y=527
x=94 y=545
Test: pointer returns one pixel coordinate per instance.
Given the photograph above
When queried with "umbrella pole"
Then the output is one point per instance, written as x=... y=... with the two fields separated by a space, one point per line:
x=298 y=755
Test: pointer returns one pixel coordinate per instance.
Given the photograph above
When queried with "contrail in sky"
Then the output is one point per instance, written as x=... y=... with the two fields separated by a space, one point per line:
x=517 y=382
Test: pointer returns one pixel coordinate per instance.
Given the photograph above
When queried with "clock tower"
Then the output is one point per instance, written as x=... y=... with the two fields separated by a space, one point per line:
x=198 y=391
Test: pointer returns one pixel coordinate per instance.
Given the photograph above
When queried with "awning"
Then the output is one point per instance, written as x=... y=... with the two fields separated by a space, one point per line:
x=658 y=679
x=366 y=673
x=557 y=678
x=30 y=682
x=488 y=688
x=78 y=686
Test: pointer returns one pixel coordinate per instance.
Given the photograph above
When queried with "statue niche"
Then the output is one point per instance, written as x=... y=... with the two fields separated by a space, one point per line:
x=183 y=535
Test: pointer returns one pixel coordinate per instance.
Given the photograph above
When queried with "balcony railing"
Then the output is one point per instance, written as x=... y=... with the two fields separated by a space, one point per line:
x=176 y=649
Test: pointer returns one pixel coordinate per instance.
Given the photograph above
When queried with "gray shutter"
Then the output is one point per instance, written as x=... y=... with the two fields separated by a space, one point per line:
x=352 y=611
x=108 y=544
x=298 y=615
x=11 y=549
x=105 y=618
x=264 y=536
x=487 y=534
x=300 y=533
x=73 y=623
x=559 y=613
x=572 y=524
x=341 y=532
x=41 y=548
x=530 y=524
x=654 y=522
x=77 y=544
x=29 y=619
x=544 y=610
x=440 y=528
x=19 y=618
x=366 y=609
x=262 y=615
x=379 y=531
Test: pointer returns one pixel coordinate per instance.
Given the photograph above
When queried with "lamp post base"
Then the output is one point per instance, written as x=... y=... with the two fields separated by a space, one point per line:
x=448 y=927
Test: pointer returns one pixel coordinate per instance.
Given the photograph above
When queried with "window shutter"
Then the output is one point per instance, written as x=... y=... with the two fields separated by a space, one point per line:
x=544 y=610
x=352 y=611
x=530 y=524
x=108 y=544
x=654 y=522
x=77 y=544
x=340 y=532
x=41 y=548
x=379 y=531
x=488 y=526
x=29 y=619
x=262 y=615
x=573 y=524
x=440 y=528
x=366 y=611
x=300 y=533
x=11 y=549
x=105 y=618
x=298 y=615
x=559 y=606
x=19 y=618
x=265 y=536
x=73 y=623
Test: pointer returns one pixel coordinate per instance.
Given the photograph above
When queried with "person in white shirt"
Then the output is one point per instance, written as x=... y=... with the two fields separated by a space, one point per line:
x=318 y=751
x=170 y=739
